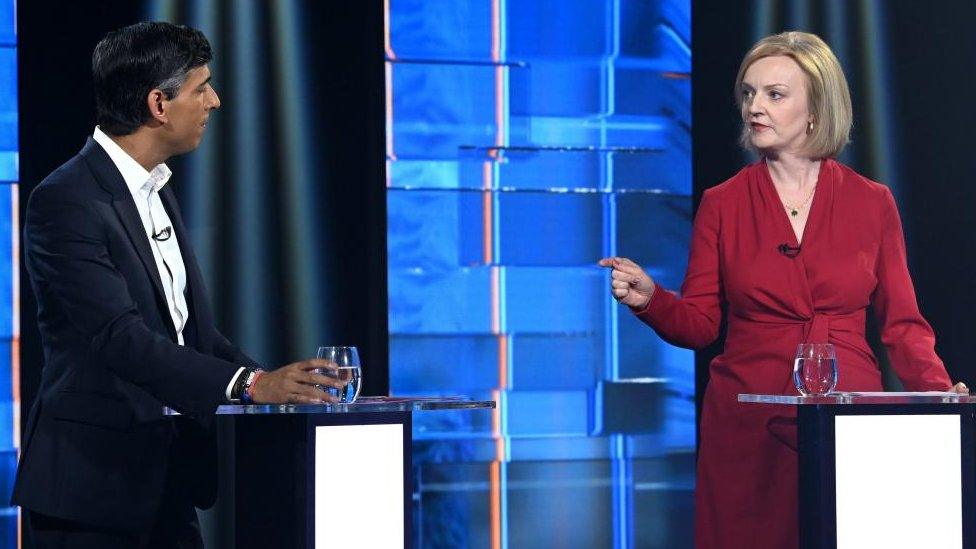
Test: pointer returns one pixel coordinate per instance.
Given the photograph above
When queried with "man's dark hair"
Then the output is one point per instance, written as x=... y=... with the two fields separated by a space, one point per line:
x=130 y=61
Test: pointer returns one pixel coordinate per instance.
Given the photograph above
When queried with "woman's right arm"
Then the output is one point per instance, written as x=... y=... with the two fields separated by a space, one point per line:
x=691 y=320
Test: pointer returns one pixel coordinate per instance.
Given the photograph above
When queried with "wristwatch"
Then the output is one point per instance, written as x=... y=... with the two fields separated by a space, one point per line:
x=240 y=393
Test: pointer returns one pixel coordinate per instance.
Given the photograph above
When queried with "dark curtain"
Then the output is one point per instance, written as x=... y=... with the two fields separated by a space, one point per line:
x=285 y=200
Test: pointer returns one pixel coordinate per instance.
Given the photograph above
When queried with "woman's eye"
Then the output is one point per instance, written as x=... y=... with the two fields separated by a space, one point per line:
x=775 y=95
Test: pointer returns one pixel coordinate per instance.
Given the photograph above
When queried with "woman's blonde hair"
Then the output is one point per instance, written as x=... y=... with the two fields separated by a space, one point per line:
x=827 y=93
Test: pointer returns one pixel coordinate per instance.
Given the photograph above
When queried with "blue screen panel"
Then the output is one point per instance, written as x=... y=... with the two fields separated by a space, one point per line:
x=7 y=296
x=542 y=88
x=8 y=36
x=550 y=229
x=667 y=172
x=453 y=238
x=444 y=302
x=442 y=108
x=569 y=502
x=549 y=412
x=440 y=29
x=424 y=174
x=555 y=361
x=468 y=432
x=444 y=363
x=652 y=230
x=555 y=300
x=528 y=139
x=543 y=29
x=536 y=169
x=9 y=175
x=8 y=113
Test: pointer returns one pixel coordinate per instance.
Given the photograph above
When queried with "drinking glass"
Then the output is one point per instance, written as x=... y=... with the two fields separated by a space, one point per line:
x=349 y=370
x=815 y=369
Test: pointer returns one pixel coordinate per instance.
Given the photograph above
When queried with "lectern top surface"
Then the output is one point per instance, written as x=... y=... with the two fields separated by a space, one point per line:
x=927 y=397
x=363 y=404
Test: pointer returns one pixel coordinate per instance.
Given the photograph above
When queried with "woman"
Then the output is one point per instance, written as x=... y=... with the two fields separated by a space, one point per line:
x=797 y=246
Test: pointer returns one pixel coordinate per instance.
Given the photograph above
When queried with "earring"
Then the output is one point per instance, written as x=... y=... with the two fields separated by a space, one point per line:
x=810 y=126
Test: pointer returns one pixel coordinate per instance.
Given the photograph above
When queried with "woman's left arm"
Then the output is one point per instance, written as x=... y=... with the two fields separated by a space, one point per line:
x=905 y=333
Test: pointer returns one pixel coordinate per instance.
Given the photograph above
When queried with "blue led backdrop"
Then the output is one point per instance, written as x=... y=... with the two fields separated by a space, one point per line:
x=9 y=291
x=525 y=140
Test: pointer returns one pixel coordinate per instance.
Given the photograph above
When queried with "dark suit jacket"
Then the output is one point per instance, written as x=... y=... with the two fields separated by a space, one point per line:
x=97 y=448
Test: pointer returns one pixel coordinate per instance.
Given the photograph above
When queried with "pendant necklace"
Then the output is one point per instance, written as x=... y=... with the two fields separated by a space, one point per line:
x=795 y=210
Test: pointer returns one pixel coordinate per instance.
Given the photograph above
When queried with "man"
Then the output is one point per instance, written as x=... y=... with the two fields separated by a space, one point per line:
x=124 y=319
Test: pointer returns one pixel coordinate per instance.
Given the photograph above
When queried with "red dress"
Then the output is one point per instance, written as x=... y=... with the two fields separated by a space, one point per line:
x=853 y=256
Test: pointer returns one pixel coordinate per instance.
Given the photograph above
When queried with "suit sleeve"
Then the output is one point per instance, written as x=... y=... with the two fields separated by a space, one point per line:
x=693 y=319
x=908 y=338
x=68 y=258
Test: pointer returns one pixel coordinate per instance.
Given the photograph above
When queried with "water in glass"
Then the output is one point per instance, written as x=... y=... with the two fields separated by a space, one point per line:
x=815 y=369
x=348 y=370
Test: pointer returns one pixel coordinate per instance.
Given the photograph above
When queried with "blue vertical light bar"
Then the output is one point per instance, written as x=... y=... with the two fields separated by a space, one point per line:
x=505 y=71
x=623 y=504
x=9 y=273
x=503 y=121
x=608 y=185
x=611 y=308
x=612 y=359
x=619 y=461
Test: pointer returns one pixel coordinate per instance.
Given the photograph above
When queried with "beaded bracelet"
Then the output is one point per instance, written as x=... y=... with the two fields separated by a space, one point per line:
x=247 y=397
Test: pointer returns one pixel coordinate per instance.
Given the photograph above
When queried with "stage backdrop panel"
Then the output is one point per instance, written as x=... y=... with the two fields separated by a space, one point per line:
x=526 y=139
x=9 y=292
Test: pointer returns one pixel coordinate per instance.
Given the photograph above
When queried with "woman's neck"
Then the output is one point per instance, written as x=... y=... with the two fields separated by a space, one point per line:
x=793 y=172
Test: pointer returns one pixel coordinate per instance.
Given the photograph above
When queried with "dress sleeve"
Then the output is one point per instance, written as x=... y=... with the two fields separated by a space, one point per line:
x=908 y=338
x=692 y=320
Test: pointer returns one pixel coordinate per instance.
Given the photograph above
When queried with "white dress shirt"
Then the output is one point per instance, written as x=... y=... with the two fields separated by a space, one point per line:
x=145 y=186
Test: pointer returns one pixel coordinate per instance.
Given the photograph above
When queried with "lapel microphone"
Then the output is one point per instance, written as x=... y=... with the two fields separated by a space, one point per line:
x=166 y=232
x=786 y=249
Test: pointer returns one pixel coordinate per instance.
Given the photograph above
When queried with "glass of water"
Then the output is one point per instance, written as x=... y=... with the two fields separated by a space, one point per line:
x=349 y=370
x=815 y=369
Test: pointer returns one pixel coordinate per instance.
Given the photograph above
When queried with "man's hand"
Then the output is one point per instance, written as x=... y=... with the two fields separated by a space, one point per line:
x=296 y=384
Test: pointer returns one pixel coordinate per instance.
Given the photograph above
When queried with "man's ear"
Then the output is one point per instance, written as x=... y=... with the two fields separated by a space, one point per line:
x=156 y=101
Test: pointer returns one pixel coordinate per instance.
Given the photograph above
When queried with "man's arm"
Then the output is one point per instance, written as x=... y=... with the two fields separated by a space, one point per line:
x=68 y=258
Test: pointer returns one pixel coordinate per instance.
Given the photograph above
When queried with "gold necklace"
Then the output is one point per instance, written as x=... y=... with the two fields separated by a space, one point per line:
x=795 y=210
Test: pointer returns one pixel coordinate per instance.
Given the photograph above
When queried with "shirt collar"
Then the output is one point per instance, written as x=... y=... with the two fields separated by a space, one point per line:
x=136 y=177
